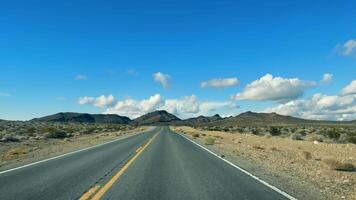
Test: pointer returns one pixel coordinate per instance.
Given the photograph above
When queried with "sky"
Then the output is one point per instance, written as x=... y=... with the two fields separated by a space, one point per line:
x=190 y=58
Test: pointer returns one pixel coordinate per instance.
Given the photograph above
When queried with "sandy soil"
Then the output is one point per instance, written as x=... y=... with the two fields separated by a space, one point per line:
x=14 y=154
x=298 y=167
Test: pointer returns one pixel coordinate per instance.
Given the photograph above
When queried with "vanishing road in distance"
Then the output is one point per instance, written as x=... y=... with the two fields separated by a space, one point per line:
x=158 y=164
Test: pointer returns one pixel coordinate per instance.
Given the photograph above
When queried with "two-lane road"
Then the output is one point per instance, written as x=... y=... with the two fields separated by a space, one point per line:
x=158 y=164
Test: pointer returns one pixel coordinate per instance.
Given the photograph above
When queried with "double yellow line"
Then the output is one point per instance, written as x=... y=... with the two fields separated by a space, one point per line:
x=94 y=194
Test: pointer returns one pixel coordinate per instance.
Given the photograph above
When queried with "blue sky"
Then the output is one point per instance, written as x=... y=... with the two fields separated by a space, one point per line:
x=116 y=47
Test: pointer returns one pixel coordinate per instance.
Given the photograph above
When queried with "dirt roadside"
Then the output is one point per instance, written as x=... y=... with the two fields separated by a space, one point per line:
x=297 y=167
x=13 y=154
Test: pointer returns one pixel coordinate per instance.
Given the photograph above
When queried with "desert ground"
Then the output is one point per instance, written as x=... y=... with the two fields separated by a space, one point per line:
x=51 y=139
x=313 y=168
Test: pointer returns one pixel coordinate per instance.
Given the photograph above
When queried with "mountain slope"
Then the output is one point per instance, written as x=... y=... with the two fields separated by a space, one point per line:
x=196 y=121
x=249 y=117
x=159 y=117
x=84 y=118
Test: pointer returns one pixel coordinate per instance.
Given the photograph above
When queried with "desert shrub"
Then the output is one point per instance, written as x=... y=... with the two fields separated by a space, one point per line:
x=9 y=138
x=306 y=155
x=352 y=139
x=56 y=134
x=314 y=137
x=333 y=134
x=196 y=135
x=255 y=131
x=48 y=129
x=274 y=131
x=258 y=147
x=209 y=141
x=303 y=132
x=296 y=136
x=344 y=138
x=337 y=165
x=14 y=153
x=274 y=149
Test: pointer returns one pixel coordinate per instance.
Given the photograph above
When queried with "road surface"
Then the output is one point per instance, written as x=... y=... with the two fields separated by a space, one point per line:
x=158 y=164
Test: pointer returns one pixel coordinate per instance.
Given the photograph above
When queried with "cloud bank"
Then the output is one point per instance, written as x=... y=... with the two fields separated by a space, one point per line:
x=184 y=107
x=322 y=107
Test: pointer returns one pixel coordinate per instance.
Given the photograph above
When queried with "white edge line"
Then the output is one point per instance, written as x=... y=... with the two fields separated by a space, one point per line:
x=67 y=154
x=244 y=171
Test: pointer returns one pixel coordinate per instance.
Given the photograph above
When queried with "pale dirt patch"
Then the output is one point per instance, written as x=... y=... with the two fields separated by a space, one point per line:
x=300 y=163
x=14 y=154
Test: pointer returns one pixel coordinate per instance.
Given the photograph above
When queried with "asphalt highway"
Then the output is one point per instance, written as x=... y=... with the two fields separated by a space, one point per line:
x=158 y=165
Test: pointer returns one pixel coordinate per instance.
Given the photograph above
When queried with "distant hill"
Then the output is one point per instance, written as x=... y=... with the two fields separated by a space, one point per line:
x=249 y=117
x=160 y=117
x=196 y=121
x=84 y=118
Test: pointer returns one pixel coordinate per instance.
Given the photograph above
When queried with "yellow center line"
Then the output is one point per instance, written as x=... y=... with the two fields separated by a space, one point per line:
x=111 y=182
x=90 y=192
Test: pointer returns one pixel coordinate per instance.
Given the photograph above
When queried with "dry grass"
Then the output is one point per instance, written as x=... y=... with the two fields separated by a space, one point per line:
x=337 y=165
x=196 y=135
x=14 y=153
x=209 y=141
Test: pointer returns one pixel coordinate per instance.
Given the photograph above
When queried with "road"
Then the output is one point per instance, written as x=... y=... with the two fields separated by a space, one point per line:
x=158 y=164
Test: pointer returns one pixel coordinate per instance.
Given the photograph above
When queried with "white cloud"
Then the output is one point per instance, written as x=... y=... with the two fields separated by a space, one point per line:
x=81 y=77
x=320 y=107
x=275 y=89
x=135 y=108
x=184 y=107
x=347 y=49
x=220 y=83
x=101 y=101
x=3 y=94
x=327 y=78
x=163 y=79
x=349 y=89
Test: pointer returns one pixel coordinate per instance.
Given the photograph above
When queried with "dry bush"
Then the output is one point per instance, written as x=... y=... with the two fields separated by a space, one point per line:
x=258 y=147
x=337 y=165
x=306 y=155
x=196 y=135
x=209 y=141
x=296 y=136
x=14 y=153
x=274 y=149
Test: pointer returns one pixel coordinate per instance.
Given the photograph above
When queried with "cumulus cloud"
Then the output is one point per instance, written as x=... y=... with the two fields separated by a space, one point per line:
x=327 y=78
x=81 y=77
x=220 y=83
x=163 y=79
x=320 y=107
x=101 y=101
x=274 y=89
x=184 y=107
x=347 y=49
x=349 y=89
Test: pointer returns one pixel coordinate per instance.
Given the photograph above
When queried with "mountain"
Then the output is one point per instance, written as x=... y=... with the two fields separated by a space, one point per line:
x=160 y=117
x=248 y=118
x=84 y=118
x=195 y=121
